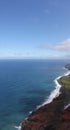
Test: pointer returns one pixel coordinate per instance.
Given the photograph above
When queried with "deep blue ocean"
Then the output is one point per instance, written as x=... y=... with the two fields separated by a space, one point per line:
x=25 y=84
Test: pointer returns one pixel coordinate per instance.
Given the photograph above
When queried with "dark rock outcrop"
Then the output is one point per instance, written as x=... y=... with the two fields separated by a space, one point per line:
x=67 y=66
x=65 y=120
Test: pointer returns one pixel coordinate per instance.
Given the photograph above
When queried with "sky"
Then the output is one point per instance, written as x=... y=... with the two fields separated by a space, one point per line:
x=35 y=29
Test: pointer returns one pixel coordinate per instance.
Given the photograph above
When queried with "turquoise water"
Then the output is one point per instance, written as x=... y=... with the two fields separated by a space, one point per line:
x=25 y=84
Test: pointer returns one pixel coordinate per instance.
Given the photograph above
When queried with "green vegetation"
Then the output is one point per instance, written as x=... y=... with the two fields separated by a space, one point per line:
x=65 y=80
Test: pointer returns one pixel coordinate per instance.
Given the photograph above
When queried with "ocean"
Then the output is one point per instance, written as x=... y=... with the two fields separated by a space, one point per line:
x=25 y=85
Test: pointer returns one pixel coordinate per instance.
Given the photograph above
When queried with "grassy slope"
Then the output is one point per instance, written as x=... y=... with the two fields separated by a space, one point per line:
x=65 y=80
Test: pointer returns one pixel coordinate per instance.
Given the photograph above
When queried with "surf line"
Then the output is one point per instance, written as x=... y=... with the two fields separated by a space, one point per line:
x=55 y=93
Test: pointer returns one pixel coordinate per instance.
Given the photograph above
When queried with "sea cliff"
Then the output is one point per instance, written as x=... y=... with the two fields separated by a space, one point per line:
x=54 y=115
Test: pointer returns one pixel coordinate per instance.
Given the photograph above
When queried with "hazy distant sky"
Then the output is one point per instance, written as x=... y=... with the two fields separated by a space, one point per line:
x=34 y=28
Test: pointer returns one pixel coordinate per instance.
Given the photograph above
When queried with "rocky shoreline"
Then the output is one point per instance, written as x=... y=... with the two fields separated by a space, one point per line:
x=51 y=116
x=67 y=66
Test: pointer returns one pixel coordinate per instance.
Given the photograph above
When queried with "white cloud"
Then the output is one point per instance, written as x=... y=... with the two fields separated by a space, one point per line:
x=61 y=46
x=61 y=49
x=65 y=45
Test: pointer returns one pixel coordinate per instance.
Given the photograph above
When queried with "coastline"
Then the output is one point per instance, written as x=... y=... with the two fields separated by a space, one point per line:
x=37 y=119
x=55 y=93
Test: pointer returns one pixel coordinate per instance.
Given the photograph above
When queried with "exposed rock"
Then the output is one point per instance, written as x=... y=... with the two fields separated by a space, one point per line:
x=65 y=120
x=67 y=66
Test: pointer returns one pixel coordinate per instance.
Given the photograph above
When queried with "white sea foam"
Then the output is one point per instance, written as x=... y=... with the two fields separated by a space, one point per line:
x=55 y=93
x=67 y=73
x=65 y=68
x=18 y=127
x=30 y=112
x=65 y=107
